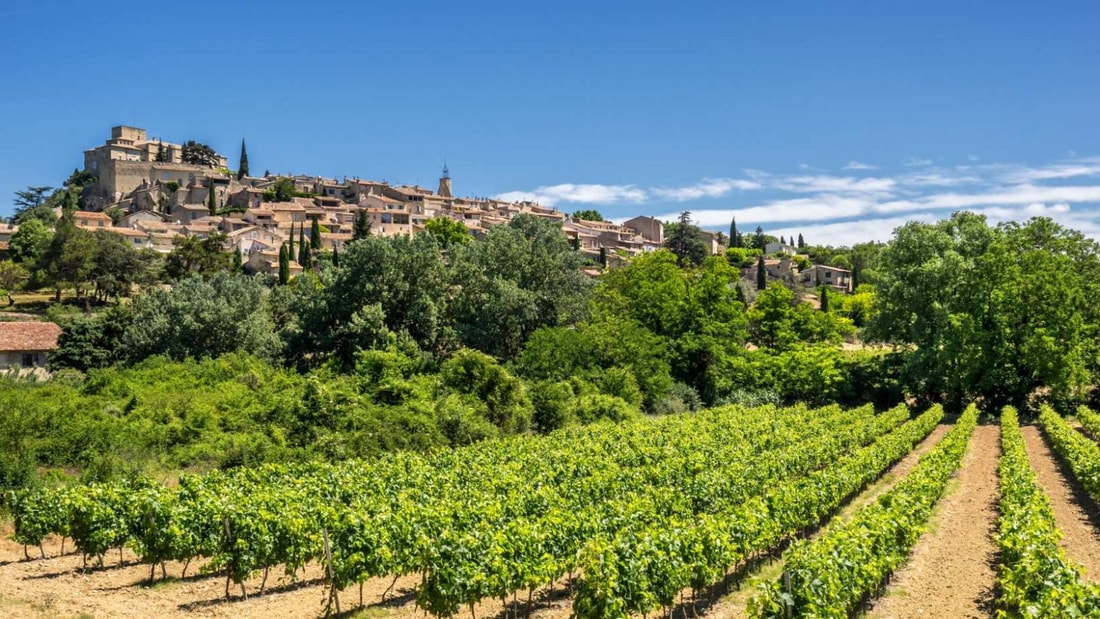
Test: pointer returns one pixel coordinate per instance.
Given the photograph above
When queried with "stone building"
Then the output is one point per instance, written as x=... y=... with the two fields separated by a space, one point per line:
x=129 y=160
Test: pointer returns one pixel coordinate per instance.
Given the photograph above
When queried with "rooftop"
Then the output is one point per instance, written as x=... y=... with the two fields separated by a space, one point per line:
x=19 y=336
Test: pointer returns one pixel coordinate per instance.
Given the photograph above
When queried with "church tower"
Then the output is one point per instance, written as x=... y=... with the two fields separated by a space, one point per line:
x=445 y=183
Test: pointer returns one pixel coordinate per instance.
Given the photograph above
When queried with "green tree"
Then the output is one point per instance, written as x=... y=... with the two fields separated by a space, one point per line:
x=761 y=273
x=282 y=191
x=520 y=277
x=685 y=240
x=196 y=153
x=801 y=242
x=12 y=276
x=212 y=197
x=199 y=318
x=30 y=198
x=588 y=215
x=759 y=240
x=68 y=260
x=972 y=336
x=824 y=296
x=242 y=168
x=447 y=231
x=29 y=242
x=735 y=236
x=284 y=265
x=305 y=257
x=191 y=255
x=290 y=250
x=469 y=372
x=603 y=256
x=315 y=234
x=117 y=266
x=361 y=227
x=335 y=256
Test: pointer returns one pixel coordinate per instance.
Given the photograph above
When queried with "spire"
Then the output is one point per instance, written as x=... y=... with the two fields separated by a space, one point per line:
x=445 y=182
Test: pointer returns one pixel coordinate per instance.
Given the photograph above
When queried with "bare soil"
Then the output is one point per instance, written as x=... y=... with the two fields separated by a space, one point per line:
x=735 y=605
x=1075 y=512
x=57 y=587
x=952 y=569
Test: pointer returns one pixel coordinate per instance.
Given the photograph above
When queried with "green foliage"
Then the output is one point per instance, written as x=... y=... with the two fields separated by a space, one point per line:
x=447 y=231
x=761 y=273
x=469 y=372
x=242 y=168
x=588 y=215
x=12 y=276
x=976 y=336
x=30 y=241
x=196 y=153
x=199 y=318
x=284 y=265
x=315 y=234
x=686 y=241
x=191 y=255
x=830 y=574
x=1034 y=579
x=361 y=227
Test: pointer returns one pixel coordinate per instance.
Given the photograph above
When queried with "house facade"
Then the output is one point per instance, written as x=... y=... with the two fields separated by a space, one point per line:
x=27 y=345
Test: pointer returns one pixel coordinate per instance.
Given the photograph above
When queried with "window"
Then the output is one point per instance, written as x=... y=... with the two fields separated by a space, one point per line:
x=28 y=360
x=828 y=275
x=163 y=176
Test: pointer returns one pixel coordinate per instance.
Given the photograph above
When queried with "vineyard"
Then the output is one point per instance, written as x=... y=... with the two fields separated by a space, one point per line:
x=663 y=516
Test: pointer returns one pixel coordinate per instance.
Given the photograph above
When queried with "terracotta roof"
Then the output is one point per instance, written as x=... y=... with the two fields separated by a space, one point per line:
x=20 y=336
x=90 y=215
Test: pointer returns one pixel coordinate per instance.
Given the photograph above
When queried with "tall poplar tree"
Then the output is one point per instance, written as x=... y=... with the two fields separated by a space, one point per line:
x=735 y=237
x=290 y=251
x=761 y=274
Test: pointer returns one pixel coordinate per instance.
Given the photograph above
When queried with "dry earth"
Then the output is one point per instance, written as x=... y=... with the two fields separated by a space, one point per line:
x=951 y=571
x=1075 y=512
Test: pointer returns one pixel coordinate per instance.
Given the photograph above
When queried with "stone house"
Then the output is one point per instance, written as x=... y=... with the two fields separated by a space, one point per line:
x=26 y=345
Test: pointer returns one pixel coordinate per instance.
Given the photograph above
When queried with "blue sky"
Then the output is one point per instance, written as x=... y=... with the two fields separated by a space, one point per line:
x=837 y=119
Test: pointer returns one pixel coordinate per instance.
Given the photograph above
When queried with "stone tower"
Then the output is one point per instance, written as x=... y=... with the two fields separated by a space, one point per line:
x=445 y=183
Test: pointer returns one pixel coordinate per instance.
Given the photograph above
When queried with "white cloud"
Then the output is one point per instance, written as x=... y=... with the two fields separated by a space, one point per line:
x=577 y=194
x=706 y=188
x=913 y=162
x=844 y=184
x=852 y=232
x=1022 y=174
x=856 y=165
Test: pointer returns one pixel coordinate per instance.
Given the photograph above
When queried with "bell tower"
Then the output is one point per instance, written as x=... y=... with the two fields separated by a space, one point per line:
x=445 y=183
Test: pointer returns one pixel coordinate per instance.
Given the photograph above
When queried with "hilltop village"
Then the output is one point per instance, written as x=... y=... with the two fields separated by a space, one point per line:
x=154 y=192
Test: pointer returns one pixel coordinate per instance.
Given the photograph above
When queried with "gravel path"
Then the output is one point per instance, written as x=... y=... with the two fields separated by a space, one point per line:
x=952 y=568
x=735 y=605
x=1075 y=512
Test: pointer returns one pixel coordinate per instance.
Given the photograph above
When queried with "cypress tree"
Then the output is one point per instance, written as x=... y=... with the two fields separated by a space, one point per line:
x=825 y=298
x=315 y=234
x=576 y=243
x=801 y=243
x=781 y=240
x=761 y=274
x=284 y=265
x=242 y=169
x=361 y=228
x=335 y=256
x=603 y=256
x=735 y=238
x=290 y=252
x=212 y=199
x=301 y=236
x=303 y=254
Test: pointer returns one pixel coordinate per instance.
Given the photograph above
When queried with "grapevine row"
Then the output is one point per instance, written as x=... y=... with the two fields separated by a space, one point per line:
x=644 y=568
x=1079 y=452
x=830 y=575
x=477 y=522
x=1034 y=577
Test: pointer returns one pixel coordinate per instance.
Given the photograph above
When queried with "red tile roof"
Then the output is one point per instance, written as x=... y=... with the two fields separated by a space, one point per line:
x=20 y=336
